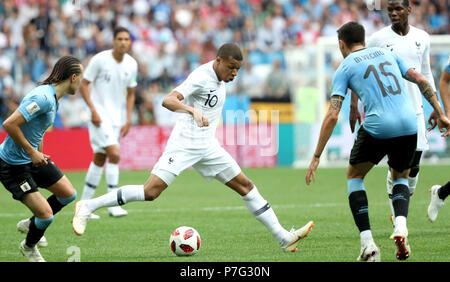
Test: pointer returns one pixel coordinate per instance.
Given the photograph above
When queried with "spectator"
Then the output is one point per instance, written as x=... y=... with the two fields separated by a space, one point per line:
x=276 y=85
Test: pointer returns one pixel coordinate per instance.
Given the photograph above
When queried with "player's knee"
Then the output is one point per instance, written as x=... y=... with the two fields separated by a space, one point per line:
x=43 y=223
x=67 y=200
x=44 y=213
x=114 y=157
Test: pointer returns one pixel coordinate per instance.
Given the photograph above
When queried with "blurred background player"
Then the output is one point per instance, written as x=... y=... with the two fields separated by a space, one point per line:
x=390 y=128
x=193 y=143
x=440 y=193
x=413 y=46
x=113 y=74
x=23 y=165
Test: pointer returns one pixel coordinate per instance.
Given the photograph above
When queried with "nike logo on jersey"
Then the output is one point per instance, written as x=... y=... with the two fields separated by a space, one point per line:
x=212 y=90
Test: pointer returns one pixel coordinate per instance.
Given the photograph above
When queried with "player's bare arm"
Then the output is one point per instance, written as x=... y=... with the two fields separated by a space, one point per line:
x=445 y=97
x=84 y=89
x=355 y=115
x=12 y=126
x=425 y=88
x=326 y=130
x=173 y=103
x=130 y=105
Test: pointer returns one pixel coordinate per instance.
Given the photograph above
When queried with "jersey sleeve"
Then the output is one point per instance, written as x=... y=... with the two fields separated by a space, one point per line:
x=340 y=82
x=90 y=73
x=34 y=106
x=133 y=79
x=190 y=86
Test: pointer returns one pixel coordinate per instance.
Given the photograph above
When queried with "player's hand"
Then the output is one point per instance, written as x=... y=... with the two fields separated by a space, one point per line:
x=444 y=125
x=432 y=121
x=312 y=170
x=200 y=119
x=39 y=159
x=355 y=115
x=125 y=129
x=95 y=118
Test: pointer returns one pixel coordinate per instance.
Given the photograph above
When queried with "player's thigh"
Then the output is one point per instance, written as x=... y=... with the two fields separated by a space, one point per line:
x=103 y=136
x=401 y=153
x=17 y=179
x=63 y=188
x=173 y=161
x=37 y=204
x=48 y=175
x=217 y=163
x=367 y=149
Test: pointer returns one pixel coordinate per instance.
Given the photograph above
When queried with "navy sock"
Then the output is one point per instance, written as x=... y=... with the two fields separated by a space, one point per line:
x=36 y=231
x=360 y=209
x=444 y=191
x=400 y=197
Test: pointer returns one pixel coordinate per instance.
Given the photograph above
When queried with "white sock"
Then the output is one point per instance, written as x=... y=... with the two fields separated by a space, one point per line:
x=366 y=237
x=412 y=183
x=93 y=177
x=112 y=176
x=262 y=211
x=121 y=196
x=400 y=223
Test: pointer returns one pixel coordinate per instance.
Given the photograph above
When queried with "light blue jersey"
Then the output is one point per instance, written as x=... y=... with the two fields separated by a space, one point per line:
x=376 y=76
x=38 y=108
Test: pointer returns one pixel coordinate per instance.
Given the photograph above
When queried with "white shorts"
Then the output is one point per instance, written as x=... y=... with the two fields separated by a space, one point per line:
x=422 y=142
x=212 y=162
x=103 y=136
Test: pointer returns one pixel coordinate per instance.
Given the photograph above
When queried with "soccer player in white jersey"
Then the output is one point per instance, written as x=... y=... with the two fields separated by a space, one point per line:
x=110 y=100
x=413 y=46
x=199 y=101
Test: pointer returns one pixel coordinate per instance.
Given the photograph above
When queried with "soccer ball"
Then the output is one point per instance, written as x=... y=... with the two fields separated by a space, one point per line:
x=185 y=241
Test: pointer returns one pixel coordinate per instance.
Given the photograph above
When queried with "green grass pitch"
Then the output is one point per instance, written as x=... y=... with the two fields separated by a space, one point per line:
x=229 y=232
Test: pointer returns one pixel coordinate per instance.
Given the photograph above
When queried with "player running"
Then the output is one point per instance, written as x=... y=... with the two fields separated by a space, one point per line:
x=193 y=143
x=23 y=165
x=390 y=128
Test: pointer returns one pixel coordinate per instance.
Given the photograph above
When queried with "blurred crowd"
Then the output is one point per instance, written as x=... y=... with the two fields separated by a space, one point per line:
x=171 y=38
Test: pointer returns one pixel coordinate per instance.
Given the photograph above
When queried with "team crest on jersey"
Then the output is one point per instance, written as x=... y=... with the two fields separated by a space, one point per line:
x=170 y=160
x=418 y=44
x=33 y=108
x=25 y=186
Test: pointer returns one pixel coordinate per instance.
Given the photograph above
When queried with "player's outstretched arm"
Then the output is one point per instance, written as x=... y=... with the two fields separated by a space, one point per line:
x=326 y=130
x=425 y=88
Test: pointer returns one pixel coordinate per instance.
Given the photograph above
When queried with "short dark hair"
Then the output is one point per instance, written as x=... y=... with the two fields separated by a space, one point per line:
x=63 y=69
x=404 y=2
x=118 y=30
x=230 y=50
x=351 y=33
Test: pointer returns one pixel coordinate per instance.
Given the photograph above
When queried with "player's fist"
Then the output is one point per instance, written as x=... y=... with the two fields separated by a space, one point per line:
x=200 y=119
